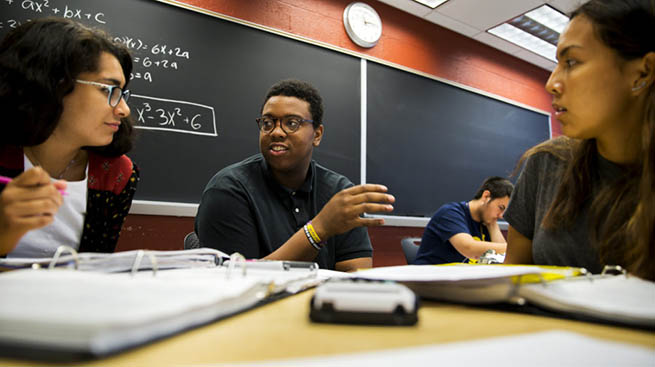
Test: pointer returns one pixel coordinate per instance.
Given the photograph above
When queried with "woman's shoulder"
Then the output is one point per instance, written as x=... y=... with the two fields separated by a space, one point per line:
x=550 y=154
x=110 y=173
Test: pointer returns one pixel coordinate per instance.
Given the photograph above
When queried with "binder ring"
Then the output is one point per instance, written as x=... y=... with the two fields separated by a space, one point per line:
x=137 y=262
x=513 y=294
x=57 y=254
x=234 y=258
x=613 y=269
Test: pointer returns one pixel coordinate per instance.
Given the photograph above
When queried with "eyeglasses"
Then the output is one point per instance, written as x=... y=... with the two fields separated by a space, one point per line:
x=114 y=93
x=289 y=124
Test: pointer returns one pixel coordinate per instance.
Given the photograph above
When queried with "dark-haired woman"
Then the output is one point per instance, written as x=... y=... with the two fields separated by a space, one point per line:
x=65 y=127
x=588 y=199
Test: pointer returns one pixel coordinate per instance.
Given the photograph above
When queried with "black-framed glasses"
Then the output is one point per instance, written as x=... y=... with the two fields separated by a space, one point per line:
x=290 y=124
x=114 y=93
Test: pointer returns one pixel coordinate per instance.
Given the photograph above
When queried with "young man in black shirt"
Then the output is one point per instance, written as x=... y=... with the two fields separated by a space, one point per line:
x=280 y=204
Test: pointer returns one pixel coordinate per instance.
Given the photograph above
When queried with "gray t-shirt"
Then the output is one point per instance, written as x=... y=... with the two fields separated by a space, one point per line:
x=534 y=192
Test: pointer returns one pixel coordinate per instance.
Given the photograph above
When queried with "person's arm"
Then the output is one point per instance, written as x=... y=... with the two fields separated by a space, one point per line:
x=519 y=248
x=494 y=233
x=466 y=245
x=341 y=214
x=354 y=264
x=28 y=202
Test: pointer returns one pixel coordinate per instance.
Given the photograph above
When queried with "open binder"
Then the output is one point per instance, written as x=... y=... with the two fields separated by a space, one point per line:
x=67 y=314
x=121 y=261
x=620 y=299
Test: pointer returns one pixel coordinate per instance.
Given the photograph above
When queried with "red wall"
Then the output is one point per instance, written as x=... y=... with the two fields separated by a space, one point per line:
x=406 y=40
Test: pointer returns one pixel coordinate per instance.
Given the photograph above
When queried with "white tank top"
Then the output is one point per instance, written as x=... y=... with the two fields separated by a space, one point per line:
x=67 y=227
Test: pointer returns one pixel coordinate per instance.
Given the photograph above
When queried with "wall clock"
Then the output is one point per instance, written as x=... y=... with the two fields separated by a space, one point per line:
x=363 y=24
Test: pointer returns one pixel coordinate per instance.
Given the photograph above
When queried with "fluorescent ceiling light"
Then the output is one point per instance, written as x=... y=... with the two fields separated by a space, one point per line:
x=525 y=40
x=549 y=17
x=431 y=3
x=537 y=31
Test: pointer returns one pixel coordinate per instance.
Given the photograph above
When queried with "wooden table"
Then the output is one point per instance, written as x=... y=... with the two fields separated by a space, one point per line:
x=282 y=330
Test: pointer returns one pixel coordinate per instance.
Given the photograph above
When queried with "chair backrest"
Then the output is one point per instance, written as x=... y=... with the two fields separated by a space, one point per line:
x=410 y=248
x=191 y=241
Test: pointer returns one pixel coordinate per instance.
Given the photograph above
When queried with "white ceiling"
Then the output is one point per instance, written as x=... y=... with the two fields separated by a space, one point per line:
x=472 y=18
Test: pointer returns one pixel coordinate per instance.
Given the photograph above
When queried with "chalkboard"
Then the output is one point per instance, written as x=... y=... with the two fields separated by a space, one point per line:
x=432 y=142
x=198 y=85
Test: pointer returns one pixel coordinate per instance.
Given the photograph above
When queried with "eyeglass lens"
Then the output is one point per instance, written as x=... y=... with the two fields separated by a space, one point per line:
x=289 y=124
x=116 y=94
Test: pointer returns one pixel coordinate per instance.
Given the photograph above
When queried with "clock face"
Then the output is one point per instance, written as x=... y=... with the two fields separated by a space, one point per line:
x=363 y=24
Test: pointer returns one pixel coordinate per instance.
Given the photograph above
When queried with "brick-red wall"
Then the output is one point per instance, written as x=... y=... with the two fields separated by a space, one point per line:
x=406 y=40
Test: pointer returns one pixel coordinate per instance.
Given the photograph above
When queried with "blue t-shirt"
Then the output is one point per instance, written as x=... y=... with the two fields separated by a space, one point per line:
x=449 y=220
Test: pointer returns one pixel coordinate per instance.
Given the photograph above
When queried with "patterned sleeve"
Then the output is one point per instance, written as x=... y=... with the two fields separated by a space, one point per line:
x=124 y=200
x=106 y=212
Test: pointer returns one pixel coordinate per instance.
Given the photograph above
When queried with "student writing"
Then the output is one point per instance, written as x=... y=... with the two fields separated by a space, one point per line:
x=65 y=126
x=465 y=230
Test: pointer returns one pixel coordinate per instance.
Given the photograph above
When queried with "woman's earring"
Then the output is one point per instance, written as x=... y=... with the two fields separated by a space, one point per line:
x=641 y=85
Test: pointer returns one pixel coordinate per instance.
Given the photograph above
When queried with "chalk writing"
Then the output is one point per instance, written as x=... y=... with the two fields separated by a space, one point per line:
x=138 y=75
x=152 y=113
x=148 y=58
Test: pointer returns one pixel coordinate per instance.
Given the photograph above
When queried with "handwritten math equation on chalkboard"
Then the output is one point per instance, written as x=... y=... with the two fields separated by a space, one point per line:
x=149 y=58
x=43 y=8
x=152 y=113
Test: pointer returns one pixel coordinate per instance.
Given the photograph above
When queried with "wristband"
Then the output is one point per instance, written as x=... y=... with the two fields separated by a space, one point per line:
x=311 y=240
x=312 y=232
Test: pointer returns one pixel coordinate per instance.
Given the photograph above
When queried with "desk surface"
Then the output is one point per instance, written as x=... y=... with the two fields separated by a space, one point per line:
x=282 y=330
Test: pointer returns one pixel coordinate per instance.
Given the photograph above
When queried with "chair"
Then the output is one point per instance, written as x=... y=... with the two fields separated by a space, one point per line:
x=410 y=248
x=191 y=241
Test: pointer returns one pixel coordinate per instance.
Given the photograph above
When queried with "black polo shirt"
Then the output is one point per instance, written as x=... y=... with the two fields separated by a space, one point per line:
x=244 y=209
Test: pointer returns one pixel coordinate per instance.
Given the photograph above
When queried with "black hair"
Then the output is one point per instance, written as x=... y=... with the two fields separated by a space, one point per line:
x=39 y=62
x=301 y=90
x=499 y=187
x=625 y=26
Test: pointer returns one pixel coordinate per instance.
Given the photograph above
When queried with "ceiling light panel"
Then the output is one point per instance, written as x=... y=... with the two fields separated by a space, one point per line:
x=526 y=40
x=549 y=17
x=431 y=3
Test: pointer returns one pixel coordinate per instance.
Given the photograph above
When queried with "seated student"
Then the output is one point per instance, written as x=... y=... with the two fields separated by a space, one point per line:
x=465 y=230
x=64 y=127
x=588 y=199
x=282 y=205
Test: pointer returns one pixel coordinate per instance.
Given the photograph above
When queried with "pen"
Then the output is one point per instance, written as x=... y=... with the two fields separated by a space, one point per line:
x=5 y=180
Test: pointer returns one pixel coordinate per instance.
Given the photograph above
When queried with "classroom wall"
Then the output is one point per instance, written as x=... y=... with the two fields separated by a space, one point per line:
x=407 y=41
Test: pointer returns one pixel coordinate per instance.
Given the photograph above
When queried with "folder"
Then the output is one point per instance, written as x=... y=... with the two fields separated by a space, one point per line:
x=571 y=292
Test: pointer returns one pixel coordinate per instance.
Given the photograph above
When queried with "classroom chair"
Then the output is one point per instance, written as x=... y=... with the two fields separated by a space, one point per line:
x=191 y=241
x=410 y=248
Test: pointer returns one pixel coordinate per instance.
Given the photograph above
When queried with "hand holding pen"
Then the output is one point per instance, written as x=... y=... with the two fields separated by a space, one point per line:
x=27 y=202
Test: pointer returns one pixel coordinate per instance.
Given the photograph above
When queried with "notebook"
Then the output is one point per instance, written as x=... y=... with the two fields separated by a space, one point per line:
x=622 y=299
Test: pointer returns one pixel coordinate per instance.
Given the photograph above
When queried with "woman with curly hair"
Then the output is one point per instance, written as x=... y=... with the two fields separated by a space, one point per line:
x=65 y=128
